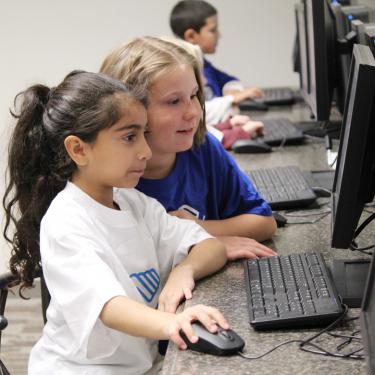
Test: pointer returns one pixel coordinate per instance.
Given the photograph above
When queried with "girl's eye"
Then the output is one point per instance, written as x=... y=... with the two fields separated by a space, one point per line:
x=174 y=101
x=129 y=137
x=194 y=96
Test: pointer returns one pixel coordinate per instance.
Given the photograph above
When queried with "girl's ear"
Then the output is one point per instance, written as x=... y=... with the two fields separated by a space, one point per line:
x=77 y=149
x=190 y=35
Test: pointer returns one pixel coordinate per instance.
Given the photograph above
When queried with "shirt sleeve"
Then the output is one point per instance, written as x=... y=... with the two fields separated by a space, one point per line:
x=173 y=236
x=216 y=79
x=232 y=188
x=233 y=85
x=218 y=109
x=72 y=262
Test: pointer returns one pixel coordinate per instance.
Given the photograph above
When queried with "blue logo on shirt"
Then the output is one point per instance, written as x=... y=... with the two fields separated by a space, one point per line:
x=147 y=283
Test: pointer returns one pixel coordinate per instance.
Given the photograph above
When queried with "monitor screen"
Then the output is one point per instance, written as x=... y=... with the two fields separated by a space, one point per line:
x=354 y=175
x=317 y=53
x=350 y=23
x=367 y=318
x=355 y=169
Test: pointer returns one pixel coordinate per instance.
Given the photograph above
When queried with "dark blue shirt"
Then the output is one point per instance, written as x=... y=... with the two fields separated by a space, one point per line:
x=216 y=79
x=207 y=182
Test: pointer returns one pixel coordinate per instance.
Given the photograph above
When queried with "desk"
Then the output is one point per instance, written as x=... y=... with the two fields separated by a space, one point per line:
x=226 y=291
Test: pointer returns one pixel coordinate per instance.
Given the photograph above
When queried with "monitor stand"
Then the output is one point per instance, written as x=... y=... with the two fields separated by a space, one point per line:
x=349 y=277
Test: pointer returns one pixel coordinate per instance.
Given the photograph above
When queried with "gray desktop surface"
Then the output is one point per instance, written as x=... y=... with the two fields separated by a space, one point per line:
x=226 y=289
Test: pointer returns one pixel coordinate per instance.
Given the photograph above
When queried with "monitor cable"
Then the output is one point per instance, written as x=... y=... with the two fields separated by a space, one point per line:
x=354 y=246
x=316 y=349
x=298 y=214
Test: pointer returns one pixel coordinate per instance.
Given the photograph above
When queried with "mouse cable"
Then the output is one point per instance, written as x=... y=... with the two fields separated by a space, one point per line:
x=322 y=216
x=354 y=354
x=308 y=221
x=318 y=350
x=332 y=163
x=364 y=225
x=295 y=214
x=348 y=338
x=241 y=354
x=282 y=144
x=314 y=138
x=292 y=212
x=354 y=246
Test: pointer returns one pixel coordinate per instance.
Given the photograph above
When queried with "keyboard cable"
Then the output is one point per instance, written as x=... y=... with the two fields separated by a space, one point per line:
x=317 y=349
x=354 y=246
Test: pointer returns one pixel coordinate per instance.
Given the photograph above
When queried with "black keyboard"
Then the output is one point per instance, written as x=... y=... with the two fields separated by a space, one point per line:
x=280 y=131
x=272 y=96
x=278 y=96
x=290 y=291
x=283 y=187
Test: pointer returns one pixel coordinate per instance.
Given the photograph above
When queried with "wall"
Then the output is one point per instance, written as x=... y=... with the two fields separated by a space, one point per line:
x=42 y=40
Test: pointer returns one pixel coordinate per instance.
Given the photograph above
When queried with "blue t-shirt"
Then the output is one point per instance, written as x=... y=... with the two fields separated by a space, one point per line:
x=207 y=182
x=216 y=79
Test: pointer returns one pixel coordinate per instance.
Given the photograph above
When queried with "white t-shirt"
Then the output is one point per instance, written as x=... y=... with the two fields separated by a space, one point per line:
x=90 y=254
x=218 y=109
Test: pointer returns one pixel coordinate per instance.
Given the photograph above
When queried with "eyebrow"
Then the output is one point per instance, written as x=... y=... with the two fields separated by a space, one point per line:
x=195 y=88
x=130 y=126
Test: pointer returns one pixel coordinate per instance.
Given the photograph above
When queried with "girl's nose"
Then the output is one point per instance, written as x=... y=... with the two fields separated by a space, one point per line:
x=145 y=152
x=193 y=110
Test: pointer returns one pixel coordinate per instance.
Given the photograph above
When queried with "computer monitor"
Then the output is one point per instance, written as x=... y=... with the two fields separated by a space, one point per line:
x=316 y=42
x=350 y=24
x=354 y=182
x=367 y=319
x=354 y=12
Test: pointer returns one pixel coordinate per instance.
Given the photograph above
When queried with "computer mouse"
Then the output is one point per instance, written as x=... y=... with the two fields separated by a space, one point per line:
x=223 y=342
x=321 y=192
x=280 y=219
x=252 y=105
x=250 y=146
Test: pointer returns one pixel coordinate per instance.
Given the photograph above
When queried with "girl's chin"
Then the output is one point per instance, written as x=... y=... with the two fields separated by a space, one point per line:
x=184 y=146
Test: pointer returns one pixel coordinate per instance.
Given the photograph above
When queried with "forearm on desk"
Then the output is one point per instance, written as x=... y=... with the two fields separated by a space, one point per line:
x=205 y=258
x=126 y=315
x=258 y=227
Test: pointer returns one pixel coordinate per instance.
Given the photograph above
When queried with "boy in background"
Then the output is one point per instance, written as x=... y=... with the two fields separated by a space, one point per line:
x=196 y=22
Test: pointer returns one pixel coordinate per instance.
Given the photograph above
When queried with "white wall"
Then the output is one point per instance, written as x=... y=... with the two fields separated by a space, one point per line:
x=42 y=40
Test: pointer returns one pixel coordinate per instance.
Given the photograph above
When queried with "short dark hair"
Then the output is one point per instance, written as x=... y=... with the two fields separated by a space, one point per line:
x=190 y=14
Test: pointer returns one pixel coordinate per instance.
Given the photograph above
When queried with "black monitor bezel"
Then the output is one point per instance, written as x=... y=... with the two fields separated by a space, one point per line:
x=350 y=192
x=318 y=91
x=367 y=319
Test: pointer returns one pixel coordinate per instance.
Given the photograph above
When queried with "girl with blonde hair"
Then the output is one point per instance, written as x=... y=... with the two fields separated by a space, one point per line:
x=190 y=172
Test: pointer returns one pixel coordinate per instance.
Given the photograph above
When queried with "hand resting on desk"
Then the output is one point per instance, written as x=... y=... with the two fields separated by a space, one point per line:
x=237 y=247
x=245 y=248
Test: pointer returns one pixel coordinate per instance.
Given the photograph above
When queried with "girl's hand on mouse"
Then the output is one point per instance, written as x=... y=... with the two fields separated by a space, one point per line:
x=210 y=318
x=239 y=120
x=254 y=128
x=178 y=287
